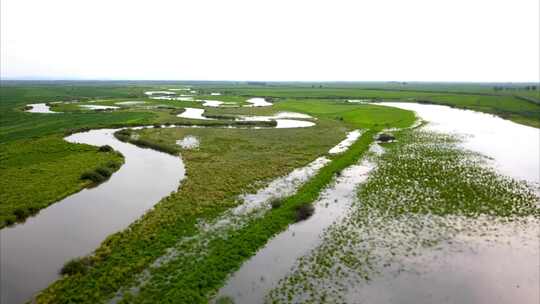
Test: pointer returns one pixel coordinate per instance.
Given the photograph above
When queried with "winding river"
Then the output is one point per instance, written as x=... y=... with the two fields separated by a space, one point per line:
x=33 y=252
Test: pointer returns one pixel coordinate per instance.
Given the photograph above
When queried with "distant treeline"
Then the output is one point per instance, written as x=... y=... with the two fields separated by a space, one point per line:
x=515 y=88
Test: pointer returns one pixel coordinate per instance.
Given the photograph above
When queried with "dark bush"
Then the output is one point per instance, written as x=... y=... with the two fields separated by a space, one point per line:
x=21 y=213
x=113 y=165
x=276 y=203
x=105 y=148
x=220 y=116
x=32 y=210
x=157 y=126
x=75 y=266
x=385 y=137
x=123 y=135
x=93 y=176
x=104 y=171
x=304 y=211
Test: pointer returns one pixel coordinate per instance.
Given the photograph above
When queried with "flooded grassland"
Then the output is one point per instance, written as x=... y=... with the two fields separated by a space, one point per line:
x=432 y=219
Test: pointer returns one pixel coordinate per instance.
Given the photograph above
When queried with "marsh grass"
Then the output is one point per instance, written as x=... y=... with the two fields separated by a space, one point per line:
x=196 y=279
x=204 y=195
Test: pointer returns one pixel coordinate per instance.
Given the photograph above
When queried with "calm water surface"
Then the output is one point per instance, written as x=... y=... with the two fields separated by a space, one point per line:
x=514 y=148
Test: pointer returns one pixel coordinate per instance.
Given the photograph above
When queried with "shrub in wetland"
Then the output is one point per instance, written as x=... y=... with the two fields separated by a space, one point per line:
x=105 y=148
x=93 y=176
x=276 y=202
x=21 y=213
x=75 y=266
x=304 y=211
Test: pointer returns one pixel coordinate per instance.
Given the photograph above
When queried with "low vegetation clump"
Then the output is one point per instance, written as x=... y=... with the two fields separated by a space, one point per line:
x=76 y=266
x=220 y=116
x=105 y=148
x=128 y=135
x=424 y=192
x=102 y=173
x=384 y=137
x=304 y=211
x=22 y=213
x=276 y=203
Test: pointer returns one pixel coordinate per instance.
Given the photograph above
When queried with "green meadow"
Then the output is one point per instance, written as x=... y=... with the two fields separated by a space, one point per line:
x=233 y=158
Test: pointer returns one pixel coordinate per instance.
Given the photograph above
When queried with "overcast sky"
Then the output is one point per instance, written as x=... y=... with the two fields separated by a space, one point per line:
x=454 y=40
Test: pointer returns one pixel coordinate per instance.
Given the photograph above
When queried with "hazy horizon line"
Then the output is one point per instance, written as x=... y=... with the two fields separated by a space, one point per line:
x=44 y=78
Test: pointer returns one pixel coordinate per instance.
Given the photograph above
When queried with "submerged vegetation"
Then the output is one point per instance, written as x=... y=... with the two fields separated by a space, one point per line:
x=424 y=191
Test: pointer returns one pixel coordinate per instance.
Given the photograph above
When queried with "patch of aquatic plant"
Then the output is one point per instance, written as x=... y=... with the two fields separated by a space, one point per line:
x=203 y=196
x=425 y=191
x=27 y=168
x=435 y=176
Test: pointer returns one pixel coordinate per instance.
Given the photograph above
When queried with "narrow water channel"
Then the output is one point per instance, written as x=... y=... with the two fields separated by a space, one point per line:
x=33 y=252
x=261 y=273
